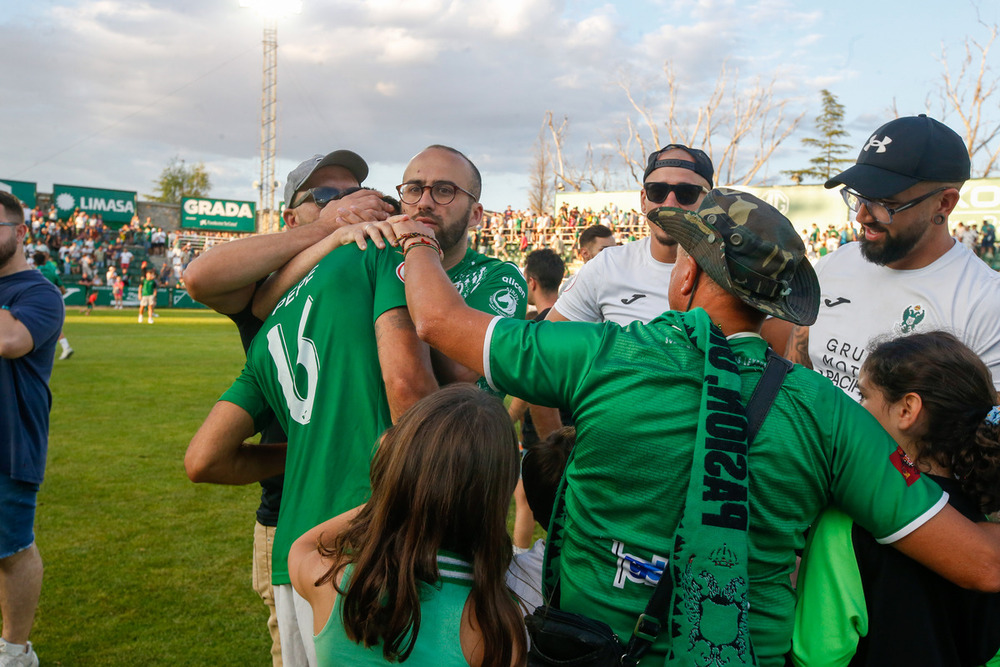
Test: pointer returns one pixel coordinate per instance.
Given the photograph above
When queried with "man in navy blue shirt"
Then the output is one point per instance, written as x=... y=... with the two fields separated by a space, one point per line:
x=31 y=316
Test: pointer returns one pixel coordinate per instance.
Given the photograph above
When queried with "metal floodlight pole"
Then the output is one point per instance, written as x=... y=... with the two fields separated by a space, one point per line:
x=270 y=11
x=269 y=126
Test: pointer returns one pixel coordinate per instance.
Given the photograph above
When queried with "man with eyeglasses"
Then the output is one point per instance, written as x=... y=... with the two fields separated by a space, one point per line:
x=628 y=283
x=906 y=273
x=229 y=277
x=441 y=189
x=31 y=316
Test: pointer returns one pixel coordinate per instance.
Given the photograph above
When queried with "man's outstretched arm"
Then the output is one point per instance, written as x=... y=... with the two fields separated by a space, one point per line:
x=225 y=277
x=219 y=453
x=965 y=553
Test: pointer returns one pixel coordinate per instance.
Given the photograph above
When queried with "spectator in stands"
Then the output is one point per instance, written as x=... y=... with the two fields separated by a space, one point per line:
x=126 y=260
x=166 y=276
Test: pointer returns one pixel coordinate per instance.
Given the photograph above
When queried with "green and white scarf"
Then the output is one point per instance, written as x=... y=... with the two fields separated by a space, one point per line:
x=709 y=608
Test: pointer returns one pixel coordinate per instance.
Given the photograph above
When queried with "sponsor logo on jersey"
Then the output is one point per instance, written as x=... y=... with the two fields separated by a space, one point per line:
x=635 y=297
x=635 y=569
x=401 y=272
x=504 y=302
x=912 y=316
x=830 y=303
x=905 y=466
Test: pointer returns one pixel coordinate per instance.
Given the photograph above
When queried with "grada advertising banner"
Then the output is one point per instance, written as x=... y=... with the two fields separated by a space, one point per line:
x=220 y=215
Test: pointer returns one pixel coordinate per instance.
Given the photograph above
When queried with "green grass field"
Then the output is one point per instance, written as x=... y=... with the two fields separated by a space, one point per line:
x=142 y=567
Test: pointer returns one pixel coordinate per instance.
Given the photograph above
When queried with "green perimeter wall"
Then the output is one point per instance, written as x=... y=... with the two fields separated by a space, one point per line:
x=165 y=298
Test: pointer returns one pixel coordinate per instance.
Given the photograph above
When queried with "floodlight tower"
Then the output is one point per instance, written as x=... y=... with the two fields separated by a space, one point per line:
x=270 y=11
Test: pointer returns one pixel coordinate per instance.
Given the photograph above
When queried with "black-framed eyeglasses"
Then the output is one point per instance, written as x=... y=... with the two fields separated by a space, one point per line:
x=442 y=192
x=686 y=193
x=320 y=196
x=880 y=210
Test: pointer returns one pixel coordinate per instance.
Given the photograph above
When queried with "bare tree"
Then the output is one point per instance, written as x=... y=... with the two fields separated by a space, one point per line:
x=595 y=172
x=541 y=186
x=971 y=93
x=738 y=119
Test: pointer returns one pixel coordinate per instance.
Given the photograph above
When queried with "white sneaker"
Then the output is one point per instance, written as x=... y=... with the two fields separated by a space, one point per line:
x=140 y=319
x=67 y=353
x=150 y=320
x=9 y=659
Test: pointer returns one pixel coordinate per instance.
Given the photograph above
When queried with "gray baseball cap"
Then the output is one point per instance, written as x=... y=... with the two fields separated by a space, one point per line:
x=349 y=160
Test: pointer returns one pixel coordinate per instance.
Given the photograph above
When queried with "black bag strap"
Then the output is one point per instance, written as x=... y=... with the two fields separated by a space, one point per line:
x=647 y=626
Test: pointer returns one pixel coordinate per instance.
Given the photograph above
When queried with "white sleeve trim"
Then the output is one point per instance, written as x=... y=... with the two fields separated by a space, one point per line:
x=487 y=341
x=916 y=523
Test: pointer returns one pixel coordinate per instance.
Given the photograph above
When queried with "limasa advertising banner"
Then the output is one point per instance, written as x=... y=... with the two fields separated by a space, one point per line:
x=218 y=215
x=116 y=207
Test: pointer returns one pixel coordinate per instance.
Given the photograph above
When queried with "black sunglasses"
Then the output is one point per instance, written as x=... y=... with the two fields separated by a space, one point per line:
x=320 y=196
x=686 y=193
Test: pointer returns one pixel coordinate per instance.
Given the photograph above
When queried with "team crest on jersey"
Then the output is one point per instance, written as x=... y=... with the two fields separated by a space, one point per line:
x=904 y=464
x=912 y=316
x=401 y=272
x=504 y=302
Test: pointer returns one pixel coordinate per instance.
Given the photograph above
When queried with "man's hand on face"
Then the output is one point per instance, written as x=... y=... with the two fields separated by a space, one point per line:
x=360 y=206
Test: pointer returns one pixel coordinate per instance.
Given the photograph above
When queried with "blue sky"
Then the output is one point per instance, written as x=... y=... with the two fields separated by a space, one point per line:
x=105 y=92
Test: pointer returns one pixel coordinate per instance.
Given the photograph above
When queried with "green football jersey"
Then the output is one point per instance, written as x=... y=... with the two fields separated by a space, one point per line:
x=315 y=362
x=635 y=393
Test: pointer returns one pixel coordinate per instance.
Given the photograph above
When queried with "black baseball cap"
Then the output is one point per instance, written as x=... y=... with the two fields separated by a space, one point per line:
x=700 y=163
x=904 y=152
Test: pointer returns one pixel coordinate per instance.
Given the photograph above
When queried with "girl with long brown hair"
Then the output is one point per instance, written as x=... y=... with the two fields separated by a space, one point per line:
x=418 y=573
x=864 y=604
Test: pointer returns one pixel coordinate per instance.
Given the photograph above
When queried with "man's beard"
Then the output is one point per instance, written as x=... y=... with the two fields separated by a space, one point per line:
x=890 y=248
x=7 y=250
x=449 y=235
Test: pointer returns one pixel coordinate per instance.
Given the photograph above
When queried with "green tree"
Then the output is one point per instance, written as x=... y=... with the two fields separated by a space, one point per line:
x=830 y=125
x=179 y=179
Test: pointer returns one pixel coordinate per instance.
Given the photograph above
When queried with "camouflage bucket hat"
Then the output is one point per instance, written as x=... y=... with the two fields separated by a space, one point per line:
x=750 y=249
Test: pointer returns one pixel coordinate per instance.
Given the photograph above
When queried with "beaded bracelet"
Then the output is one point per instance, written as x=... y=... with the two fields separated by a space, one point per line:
x=428 y=242
x=414 y=235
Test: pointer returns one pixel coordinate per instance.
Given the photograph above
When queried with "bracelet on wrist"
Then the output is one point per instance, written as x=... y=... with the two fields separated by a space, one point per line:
x=414 y=235
x=427 y=241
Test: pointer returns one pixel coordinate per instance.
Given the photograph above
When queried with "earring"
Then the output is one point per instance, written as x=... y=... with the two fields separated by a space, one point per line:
x=939 y=219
